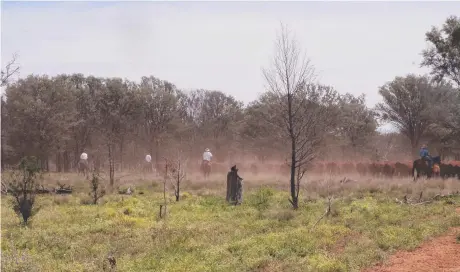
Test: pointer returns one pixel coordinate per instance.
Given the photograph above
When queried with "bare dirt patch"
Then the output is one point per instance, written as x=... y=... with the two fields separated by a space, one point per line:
x=440 y=254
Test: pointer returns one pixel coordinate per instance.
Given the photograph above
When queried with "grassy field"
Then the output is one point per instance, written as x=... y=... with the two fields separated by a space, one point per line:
x=202 y=233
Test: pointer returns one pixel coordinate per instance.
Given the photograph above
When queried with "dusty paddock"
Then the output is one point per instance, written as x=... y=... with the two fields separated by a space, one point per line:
x=366 y=226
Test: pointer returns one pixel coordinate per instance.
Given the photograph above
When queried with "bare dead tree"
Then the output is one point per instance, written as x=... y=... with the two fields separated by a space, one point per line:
x=176 y=173
x=297 y=106
x=166 y=178
x=328 y=210
x=11 y=68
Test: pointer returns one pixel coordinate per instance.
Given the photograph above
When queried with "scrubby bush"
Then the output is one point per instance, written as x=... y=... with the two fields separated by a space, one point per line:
x=97 y=190
x=23 y=184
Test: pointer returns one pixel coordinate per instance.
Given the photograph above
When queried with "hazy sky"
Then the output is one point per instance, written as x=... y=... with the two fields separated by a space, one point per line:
x=355 y=46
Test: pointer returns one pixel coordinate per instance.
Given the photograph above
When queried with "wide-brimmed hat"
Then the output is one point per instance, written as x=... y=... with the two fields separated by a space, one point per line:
x=207 y=150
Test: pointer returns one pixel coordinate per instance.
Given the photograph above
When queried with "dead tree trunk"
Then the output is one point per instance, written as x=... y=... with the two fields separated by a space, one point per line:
x=231 y=178
x=111 y=165
x=121 y=153
x=59 y=161
x=234 y=188
x=66 y=161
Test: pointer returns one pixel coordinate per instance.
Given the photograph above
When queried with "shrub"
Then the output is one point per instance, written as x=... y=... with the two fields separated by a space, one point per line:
x=261 y=199
x=23 y=184
x=97 y=191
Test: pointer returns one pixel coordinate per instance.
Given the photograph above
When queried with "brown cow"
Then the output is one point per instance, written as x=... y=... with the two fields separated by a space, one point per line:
x=362 y=169
x=317 y=168
x=254 y=169
x=375 y=169
x=347 y=168
x=402 y=170
x=388 y=170
x=332 y=168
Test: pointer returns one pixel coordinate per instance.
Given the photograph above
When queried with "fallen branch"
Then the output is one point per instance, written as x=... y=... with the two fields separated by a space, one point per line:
x=326 y=213
x=420 y=203
x=436 y=197
x=405 y=200
x=63 y=189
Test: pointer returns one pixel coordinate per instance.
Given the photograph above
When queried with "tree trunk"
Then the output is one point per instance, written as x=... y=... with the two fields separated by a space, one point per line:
x=66 y=161
x=121 y=154
x=2 y=158
x=414 y=148
x=178 y=185
x=230 y=179
x=59 y=161
x=77 y=153
x=294 y=200
x=234 y=188
x=111 y=165
x=151 y=148
x=43 y=161
x=157 y=154
x=47 y=163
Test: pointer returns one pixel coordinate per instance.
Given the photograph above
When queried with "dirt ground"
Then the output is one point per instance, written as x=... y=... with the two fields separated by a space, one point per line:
x=440 y=254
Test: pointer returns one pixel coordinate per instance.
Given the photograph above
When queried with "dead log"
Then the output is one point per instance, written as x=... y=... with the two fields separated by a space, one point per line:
x=234 y=187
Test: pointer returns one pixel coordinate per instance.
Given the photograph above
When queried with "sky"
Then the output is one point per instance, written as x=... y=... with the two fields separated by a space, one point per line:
x=355 y=46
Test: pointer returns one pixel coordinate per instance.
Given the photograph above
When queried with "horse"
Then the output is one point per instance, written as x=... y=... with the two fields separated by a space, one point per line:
x=147 y=167
x=206 y=168
x=83 y=167
x=421 y=166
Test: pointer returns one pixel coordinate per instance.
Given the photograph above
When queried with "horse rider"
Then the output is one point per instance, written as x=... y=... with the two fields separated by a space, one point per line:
x=83 y=161
x=424 y=154
x=207 y=156
x=84 y=158
x=148 y=163
x=148 y=158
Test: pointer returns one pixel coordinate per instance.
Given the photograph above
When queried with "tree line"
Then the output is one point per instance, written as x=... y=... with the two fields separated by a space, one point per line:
x=118 y=121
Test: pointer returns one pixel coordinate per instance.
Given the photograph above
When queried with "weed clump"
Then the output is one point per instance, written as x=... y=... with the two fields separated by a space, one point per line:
x=97 y=190
x=261 y=199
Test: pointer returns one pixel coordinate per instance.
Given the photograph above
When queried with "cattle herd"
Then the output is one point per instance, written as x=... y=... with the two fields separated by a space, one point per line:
x=370 y=169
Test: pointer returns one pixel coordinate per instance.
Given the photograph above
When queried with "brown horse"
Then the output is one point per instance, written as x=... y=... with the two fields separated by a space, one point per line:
x=83 y=167
x=147 y=167
x=206 y=168
x=421 y=166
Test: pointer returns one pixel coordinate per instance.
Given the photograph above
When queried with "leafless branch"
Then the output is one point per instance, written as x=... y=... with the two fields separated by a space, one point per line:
x=11 y=68
x=326 y=213
x=299 y=107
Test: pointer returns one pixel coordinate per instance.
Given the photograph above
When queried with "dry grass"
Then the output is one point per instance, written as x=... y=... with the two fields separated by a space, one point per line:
x=203 y=233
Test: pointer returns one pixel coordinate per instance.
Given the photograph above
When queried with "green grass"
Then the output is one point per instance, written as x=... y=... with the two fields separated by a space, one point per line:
x=203 y=233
